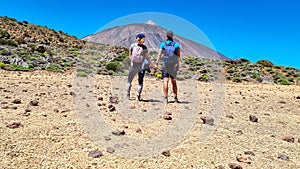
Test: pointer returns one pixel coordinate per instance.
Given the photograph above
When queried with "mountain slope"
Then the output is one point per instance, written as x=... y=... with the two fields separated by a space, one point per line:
x=125 y=35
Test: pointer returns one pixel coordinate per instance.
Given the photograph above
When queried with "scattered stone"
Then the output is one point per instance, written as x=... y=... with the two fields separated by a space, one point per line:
x=95 y=154
x=113 y=99
x=14 y=125
x=139 y=130
x=34 y=103
x=17 y=101
x=253 y=118
x=132 y=107
x=207 y=120
x=27 y=110
x=240 y=132
x=298 y=140
x=166 y=153
x=298 y=97
x=14 y=107
x=111 y=108
x=234 y=166
x=72 y=93
x=220 y=167
x=167 y=117
x=107 y=138
x=243 y=160
x=283 y=157
x=69 y=85
x=289 y=139
x=26 y=114
x=282 y=102
x=230 y=116
x=118 y=133
x=4 y=102
x=4 y=107
x=249 y=153
x=110 y=150
x=100 y=98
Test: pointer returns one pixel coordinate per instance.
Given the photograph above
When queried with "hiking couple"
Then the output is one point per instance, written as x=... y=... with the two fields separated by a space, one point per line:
x=169 y=56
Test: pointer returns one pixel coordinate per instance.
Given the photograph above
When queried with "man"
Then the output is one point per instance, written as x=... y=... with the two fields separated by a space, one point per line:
x=140 y=60
x=169 y=52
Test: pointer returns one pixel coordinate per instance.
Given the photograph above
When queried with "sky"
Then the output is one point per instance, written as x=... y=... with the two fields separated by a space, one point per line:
x=251 y=29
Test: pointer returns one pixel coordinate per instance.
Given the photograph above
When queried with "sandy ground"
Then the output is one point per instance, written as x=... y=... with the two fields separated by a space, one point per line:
x=53 y=133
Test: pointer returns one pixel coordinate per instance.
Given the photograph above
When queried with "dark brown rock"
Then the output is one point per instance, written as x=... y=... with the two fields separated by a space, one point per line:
x=253 y=118
x=234 y=166
x=138 y=130
x=249 y=153
x=220 y=167
x=167 y=117
x=207 y=120
x=243 y=160
x=118 y=133
x=34 y=103
x=166 y=153
x=113 y=99
x=17 y=101
x=289 y=139
x=112 y=108
x=14 y=125
x=95 y=154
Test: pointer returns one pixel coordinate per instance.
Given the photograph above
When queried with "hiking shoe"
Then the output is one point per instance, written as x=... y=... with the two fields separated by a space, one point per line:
x=165 y=100
x=138 y=97
x=176 y=100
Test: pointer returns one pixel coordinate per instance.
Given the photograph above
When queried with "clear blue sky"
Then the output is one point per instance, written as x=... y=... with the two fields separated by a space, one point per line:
x=252 y=29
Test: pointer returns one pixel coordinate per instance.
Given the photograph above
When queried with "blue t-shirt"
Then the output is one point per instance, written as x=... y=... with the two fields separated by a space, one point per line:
x=176 y=45
x=162 y=45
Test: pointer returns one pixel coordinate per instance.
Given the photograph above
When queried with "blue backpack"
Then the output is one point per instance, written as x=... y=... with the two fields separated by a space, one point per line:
x=169 y=53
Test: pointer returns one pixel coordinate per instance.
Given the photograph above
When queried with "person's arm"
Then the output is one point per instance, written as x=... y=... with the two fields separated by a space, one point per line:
x=159 y=56
x=148 y=58
x=178 y=59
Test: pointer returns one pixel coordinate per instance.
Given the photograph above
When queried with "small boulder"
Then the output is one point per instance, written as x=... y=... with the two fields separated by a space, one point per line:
x=289 y=139
x=34 y=103
x=253 y=118
x=95 y=154
x=166 y=153
x=17 y=101
x=14 y=125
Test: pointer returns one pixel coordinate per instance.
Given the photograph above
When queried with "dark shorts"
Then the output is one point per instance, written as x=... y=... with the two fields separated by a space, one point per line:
x=169 y=71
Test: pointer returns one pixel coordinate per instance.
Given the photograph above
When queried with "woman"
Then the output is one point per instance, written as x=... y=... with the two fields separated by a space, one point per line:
x=140 y=60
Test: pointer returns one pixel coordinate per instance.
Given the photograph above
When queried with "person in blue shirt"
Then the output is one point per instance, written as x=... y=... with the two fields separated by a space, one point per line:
x=169 y=55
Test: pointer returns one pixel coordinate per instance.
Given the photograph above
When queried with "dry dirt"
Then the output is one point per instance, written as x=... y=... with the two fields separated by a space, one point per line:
x=51 y=135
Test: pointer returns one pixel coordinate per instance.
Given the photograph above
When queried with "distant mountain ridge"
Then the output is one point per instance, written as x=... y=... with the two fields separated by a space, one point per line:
x=125 y=35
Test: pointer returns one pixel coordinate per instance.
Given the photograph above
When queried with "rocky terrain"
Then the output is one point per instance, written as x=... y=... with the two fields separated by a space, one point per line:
x=41 y=127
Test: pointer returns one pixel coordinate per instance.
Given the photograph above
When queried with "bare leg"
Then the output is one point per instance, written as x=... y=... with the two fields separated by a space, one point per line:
x=174 y=84
x=166 y=82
